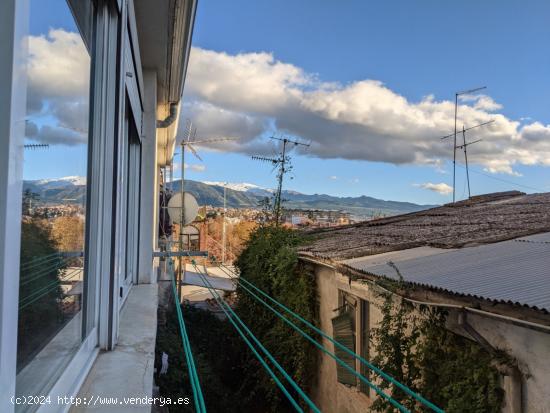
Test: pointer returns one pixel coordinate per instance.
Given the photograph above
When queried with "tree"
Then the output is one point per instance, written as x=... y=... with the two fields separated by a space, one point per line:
x=39 y=289
x=68 y=232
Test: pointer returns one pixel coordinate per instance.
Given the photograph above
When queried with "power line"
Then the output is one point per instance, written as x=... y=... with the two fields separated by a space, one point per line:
x=504 y=180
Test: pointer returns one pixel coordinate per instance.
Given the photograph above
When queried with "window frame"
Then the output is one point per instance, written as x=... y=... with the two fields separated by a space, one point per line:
x=14 y=27
x=14 y=19
x=131 y=110
x=108 y=83
x=359 y=309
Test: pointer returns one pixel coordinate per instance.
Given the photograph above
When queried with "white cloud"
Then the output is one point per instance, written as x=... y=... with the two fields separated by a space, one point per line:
x=196 y=167
x=488 y=104
x=251 y=95
x=193 y=167
x=440 y=188
x=333 y=177
x=481 y=102
x=248 y=96
x=58 y=70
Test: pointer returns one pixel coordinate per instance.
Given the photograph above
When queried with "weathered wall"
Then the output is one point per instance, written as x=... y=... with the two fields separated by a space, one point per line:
x=530 y=348
x=329 y=395
x=532 y=351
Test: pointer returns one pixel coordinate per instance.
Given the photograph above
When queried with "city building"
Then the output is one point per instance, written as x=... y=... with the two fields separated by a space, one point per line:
x=315 y=217
x=111 y=74
x=485 y=261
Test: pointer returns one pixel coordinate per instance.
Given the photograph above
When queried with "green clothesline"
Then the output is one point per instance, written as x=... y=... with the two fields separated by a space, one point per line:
x=232 y=316
x=384 y=375
x=193 y=376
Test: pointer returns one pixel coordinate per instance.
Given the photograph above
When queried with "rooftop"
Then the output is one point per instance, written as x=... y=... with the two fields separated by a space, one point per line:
x=481 y=220
x=514 y=271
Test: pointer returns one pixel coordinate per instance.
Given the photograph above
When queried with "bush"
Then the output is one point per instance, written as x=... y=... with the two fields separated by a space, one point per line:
x=270 y=262
x=231 y=377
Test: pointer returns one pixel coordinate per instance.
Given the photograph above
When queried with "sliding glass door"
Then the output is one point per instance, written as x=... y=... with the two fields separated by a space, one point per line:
x=54 y=213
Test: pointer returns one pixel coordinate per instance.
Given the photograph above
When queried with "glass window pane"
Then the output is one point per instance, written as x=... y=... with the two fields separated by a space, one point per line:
x=54 y=196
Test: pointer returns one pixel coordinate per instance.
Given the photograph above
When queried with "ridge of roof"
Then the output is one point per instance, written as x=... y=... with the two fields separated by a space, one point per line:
x=483 y=219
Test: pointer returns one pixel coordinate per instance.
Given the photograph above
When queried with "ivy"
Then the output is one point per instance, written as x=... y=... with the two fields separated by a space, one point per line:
x=414 y=346
x=270 y=262
x=231 y=377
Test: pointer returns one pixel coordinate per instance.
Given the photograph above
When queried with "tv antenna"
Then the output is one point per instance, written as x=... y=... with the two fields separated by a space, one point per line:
x=282 y=162
x=457 y=94
x=36 y=145
x=189 y=141
x=464 y=147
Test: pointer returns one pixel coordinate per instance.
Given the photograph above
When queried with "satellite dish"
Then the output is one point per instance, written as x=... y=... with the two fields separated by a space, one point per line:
x=190 y=211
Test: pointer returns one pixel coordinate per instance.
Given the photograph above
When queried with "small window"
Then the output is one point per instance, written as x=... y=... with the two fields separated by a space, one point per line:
x=191 y=237
x=343 y=333
x=352 y=329
x=364 y=335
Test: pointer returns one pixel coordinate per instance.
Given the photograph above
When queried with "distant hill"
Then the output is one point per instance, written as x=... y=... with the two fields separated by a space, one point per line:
x=250 y=195
x=73 y=189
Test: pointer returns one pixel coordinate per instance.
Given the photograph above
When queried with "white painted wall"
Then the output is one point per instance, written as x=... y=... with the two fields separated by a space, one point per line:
x=14 y=15
x=148 y=198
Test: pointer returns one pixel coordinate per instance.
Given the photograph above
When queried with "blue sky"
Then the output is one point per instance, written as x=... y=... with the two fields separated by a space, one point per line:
x=414 y=48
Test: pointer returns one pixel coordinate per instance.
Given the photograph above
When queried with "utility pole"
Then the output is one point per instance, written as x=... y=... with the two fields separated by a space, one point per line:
x=282 y=162
x=223 y=224
x=457 y=94
x=280 y=177
x=182 y=216
x=188 y=142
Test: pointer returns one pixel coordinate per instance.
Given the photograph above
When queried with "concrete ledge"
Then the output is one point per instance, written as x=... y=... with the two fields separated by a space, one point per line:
x=127 y=371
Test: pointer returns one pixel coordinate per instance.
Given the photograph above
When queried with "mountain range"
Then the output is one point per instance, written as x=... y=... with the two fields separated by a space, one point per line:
x=238 y=195
x=248 y=195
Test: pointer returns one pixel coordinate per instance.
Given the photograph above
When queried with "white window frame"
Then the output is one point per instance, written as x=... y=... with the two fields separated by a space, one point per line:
x=131 y=93
x=14 y=17
x=108 y=88
x=98 y=316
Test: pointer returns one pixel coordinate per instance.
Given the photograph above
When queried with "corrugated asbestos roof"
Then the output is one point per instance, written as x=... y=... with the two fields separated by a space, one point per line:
x=515 y=271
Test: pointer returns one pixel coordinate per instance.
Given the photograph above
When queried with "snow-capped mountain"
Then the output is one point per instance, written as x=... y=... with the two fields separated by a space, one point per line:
x=58 y=190
x=61 y=182
x=236 y=186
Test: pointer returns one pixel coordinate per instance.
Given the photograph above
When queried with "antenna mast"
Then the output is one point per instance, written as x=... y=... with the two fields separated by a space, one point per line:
x=457 y=94
x=463 y=147
x=282 y=161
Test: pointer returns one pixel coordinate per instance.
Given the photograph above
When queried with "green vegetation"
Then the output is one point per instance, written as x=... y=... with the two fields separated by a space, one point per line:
x=451 y=371
x=218 y=357
x=40 y=293
x=231 y=377
x=270 y=262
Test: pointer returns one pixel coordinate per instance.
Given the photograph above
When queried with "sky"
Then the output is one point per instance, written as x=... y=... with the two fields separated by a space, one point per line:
x=369 y=84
